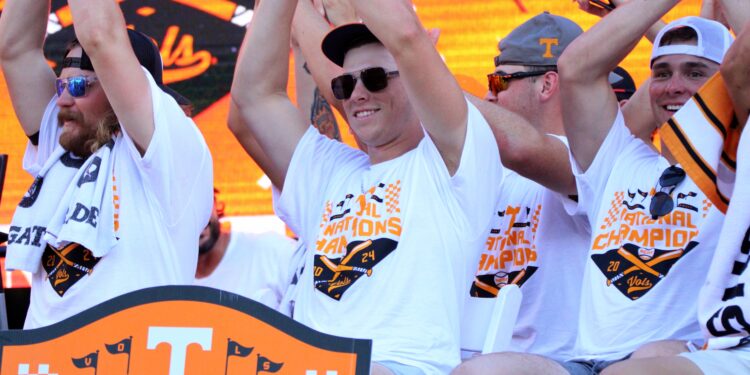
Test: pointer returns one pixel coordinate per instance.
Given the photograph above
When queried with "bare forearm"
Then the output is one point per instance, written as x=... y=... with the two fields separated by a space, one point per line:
x=523 y=149
x=736 y=74
x=304 y=84
x=98 y=24
x=309 y=30
x=23 y=26
x=339 y=12
x=393 y=22
x=638 y=114
x=595 y=53
x=29 y=79
x=248 y=141
x=323 y=118
x=101 y=30
x=653 y=31
x=310 y=101
x=737 y=13
x=589 y=106
x=262 y=113
x=261 y=68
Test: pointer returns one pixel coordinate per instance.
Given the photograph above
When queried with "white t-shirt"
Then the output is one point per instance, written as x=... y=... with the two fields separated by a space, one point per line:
x=253 y=266
x=643 y=276
x=391 y=245
x=534 y=243
x=166 y=197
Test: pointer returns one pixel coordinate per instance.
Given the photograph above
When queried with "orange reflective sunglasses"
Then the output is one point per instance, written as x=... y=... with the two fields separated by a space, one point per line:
x=498 y=81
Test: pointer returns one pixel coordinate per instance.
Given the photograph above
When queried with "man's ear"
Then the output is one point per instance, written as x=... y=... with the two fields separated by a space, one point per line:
x=550 y=85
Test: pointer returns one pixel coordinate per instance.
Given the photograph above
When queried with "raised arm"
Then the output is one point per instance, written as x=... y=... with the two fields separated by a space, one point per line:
x=736 y=12
x=638 y=114
x=536 y=156
x=30 y=81
x=309 y=29
x=310 y=101
x=101 y=30
x=735 y=69
x=339 y=12
x=589 y=105
x=259 y=89
x=248 y=141
x=588 y=7
x=432 y=90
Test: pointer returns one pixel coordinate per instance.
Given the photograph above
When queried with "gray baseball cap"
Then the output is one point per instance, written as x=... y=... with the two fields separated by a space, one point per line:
x=537 y=42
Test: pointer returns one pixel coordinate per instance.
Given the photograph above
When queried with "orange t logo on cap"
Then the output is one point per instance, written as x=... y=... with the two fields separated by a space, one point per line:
x=548 y=42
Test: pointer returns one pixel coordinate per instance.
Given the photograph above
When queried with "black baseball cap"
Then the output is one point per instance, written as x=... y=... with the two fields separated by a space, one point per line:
x=622 y=83
x=144 y=48
x=344 y=38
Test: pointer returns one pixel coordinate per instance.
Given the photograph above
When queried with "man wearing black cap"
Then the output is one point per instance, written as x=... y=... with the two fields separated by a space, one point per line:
x=393 y=233
x=123 y=178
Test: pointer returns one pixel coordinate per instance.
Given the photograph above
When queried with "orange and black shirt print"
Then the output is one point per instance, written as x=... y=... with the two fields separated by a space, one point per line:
x=510 y=254
x=634 y=251
x=357 y=233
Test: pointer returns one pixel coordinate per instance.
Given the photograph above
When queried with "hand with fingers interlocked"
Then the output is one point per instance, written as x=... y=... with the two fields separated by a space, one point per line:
x=339 y=12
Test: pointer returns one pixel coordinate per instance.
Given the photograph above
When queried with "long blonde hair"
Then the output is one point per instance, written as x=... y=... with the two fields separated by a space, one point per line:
x=106 y=128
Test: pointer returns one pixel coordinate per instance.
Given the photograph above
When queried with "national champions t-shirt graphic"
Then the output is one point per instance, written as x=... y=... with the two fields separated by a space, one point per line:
x=510 y=255
x=634 y=251
x=356 y=233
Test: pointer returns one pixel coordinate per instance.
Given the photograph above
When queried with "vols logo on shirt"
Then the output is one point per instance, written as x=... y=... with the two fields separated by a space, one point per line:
x=67 y=265
x=334 y=276
x=488 y=286
x=633 y=250
x=634 y=270
x=510 y=255
x=356 y=234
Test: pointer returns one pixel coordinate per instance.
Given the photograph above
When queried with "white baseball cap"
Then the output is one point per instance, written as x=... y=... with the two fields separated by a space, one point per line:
x=713 y=40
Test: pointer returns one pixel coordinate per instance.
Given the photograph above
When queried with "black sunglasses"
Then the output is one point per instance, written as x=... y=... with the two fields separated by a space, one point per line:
x=374 y=79
x=662 y=202
x=498 y=81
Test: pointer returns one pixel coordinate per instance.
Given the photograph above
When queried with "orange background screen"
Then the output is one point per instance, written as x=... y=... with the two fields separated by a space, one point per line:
x=468 y=43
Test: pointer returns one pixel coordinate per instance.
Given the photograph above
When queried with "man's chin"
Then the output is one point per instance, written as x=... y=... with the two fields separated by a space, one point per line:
x=663 y=120
x=76 y=146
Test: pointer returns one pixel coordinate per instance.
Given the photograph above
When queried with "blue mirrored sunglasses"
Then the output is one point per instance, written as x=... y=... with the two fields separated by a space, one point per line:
x=76 y=85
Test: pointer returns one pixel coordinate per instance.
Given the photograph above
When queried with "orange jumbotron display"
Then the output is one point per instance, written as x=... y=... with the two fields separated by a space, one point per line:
x=195 y=54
